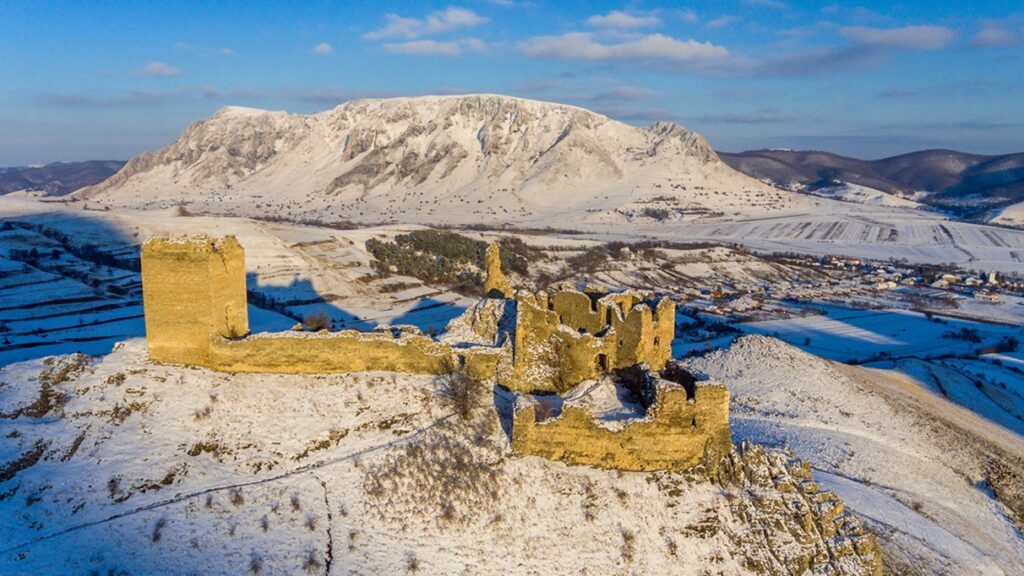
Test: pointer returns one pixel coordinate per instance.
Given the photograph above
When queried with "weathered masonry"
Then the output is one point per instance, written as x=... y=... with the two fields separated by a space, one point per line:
x=683 y=426
x=569 y=336
x=194 y=296
x=195 y=306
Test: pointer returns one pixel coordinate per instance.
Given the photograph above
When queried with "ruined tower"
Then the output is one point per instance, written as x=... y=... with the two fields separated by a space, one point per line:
x=192 y=288
x=496 y=285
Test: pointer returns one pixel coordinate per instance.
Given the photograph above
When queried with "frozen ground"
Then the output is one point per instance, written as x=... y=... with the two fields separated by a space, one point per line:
x=917 y=467
x=122 y=466
x=138 y=466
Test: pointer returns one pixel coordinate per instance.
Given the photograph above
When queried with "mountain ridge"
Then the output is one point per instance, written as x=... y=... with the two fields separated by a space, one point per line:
x=417 y=158
x=57 y=178
x=965 y=184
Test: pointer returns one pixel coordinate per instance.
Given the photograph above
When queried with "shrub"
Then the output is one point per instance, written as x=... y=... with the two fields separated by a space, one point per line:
x=158 y=529
x=316 y=321
x=628 y=544
x=460 y=393
x=312 y=563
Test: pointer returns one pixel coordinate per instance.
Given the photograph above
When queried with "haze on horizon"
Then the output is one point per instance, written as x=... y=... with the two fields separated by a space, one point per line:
x=867 y=79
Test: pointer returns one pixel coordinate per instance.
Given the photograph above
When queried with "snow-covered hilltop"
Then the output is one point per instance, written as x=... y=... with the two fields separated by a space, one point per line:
x=458 y=158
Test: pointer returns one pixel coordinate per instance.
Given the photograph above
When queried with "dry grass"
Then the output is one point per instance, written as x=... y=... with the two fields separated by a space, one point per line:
x=441 y=477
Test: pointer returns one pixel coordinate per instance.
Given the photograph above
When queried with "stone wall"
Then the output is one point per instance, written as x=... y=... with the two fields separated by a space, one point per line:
x=677 y=432
x=192 y=288
x=196 y=313
x=550 y=356
x=568 y=337
x=325 y=352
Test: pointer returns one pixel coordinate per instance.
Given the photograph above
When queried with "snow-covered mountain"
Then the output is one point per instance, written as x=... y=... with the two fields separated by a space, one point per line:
x=439 y=158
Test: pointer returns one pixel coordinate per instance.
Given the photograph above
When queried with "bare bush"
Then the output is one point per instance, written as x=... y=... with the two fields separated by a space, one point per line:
x=460 y=393
x=255 y=564
x=628 y=544
x=158 y=529
x=412 y=564
x=312 y=563
x=316 y=321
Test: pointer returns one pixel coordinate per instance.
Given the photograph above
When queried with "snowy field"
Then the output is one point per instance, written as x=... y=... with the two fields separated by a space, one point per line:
x=142 y=468
x=134 y=467
x=918 y=468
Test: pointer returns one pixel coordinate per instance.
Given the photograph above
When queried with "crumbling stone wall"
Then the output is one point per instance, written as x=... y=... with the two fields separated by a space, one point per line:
x=644 y=326
x=568 y=337
x=192 y=288
x=550 y=356
x=196 y=313
x=677 y=433
x=325 y=352
x=496 y=285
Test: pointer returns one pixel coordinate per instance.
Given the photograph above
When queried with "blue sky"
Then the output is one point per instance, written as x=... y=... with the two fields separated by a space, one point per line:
x=109 y=79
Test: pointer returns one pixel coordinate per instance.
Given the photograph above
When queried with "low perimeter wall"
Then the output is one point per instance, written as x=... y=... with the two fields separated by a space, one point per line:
x=676 y=434
x=346 y=351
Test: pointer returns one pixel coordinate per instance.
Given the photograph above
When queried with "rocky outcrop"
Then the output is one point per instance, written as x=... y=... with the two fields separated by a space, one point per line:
x=789 y=525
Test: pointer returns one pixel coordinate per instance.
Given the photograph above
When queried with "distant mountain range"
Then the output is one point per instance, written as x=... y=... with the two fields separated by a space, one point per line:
x=967 y=185
x=59 y=178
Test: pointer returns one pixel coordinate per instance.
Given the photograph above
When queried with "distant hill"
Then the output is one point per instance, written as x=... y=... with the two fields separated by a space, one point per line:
x=441 y=159
x=969 y=185
x=59 y=178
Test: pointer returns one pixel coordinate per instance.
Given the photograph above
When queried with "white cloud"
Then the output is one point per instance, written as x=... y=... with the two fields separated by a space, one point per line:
x=446 y=20
x=722 y=22
x=156 y=68
x=995 y=34
x=906 y=37
x=424 y=48
x=474 y=44
x=323 y=49
x=226 y=52
x=209 y=92
x=688 y=15
x=624 y=94
x=619 y=19
x=582 y=46
x=435 y=48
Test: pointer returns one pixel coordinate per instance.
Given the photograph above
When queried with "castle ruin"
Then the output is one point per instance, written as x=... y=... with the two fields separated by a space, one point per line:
x=194 y=296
